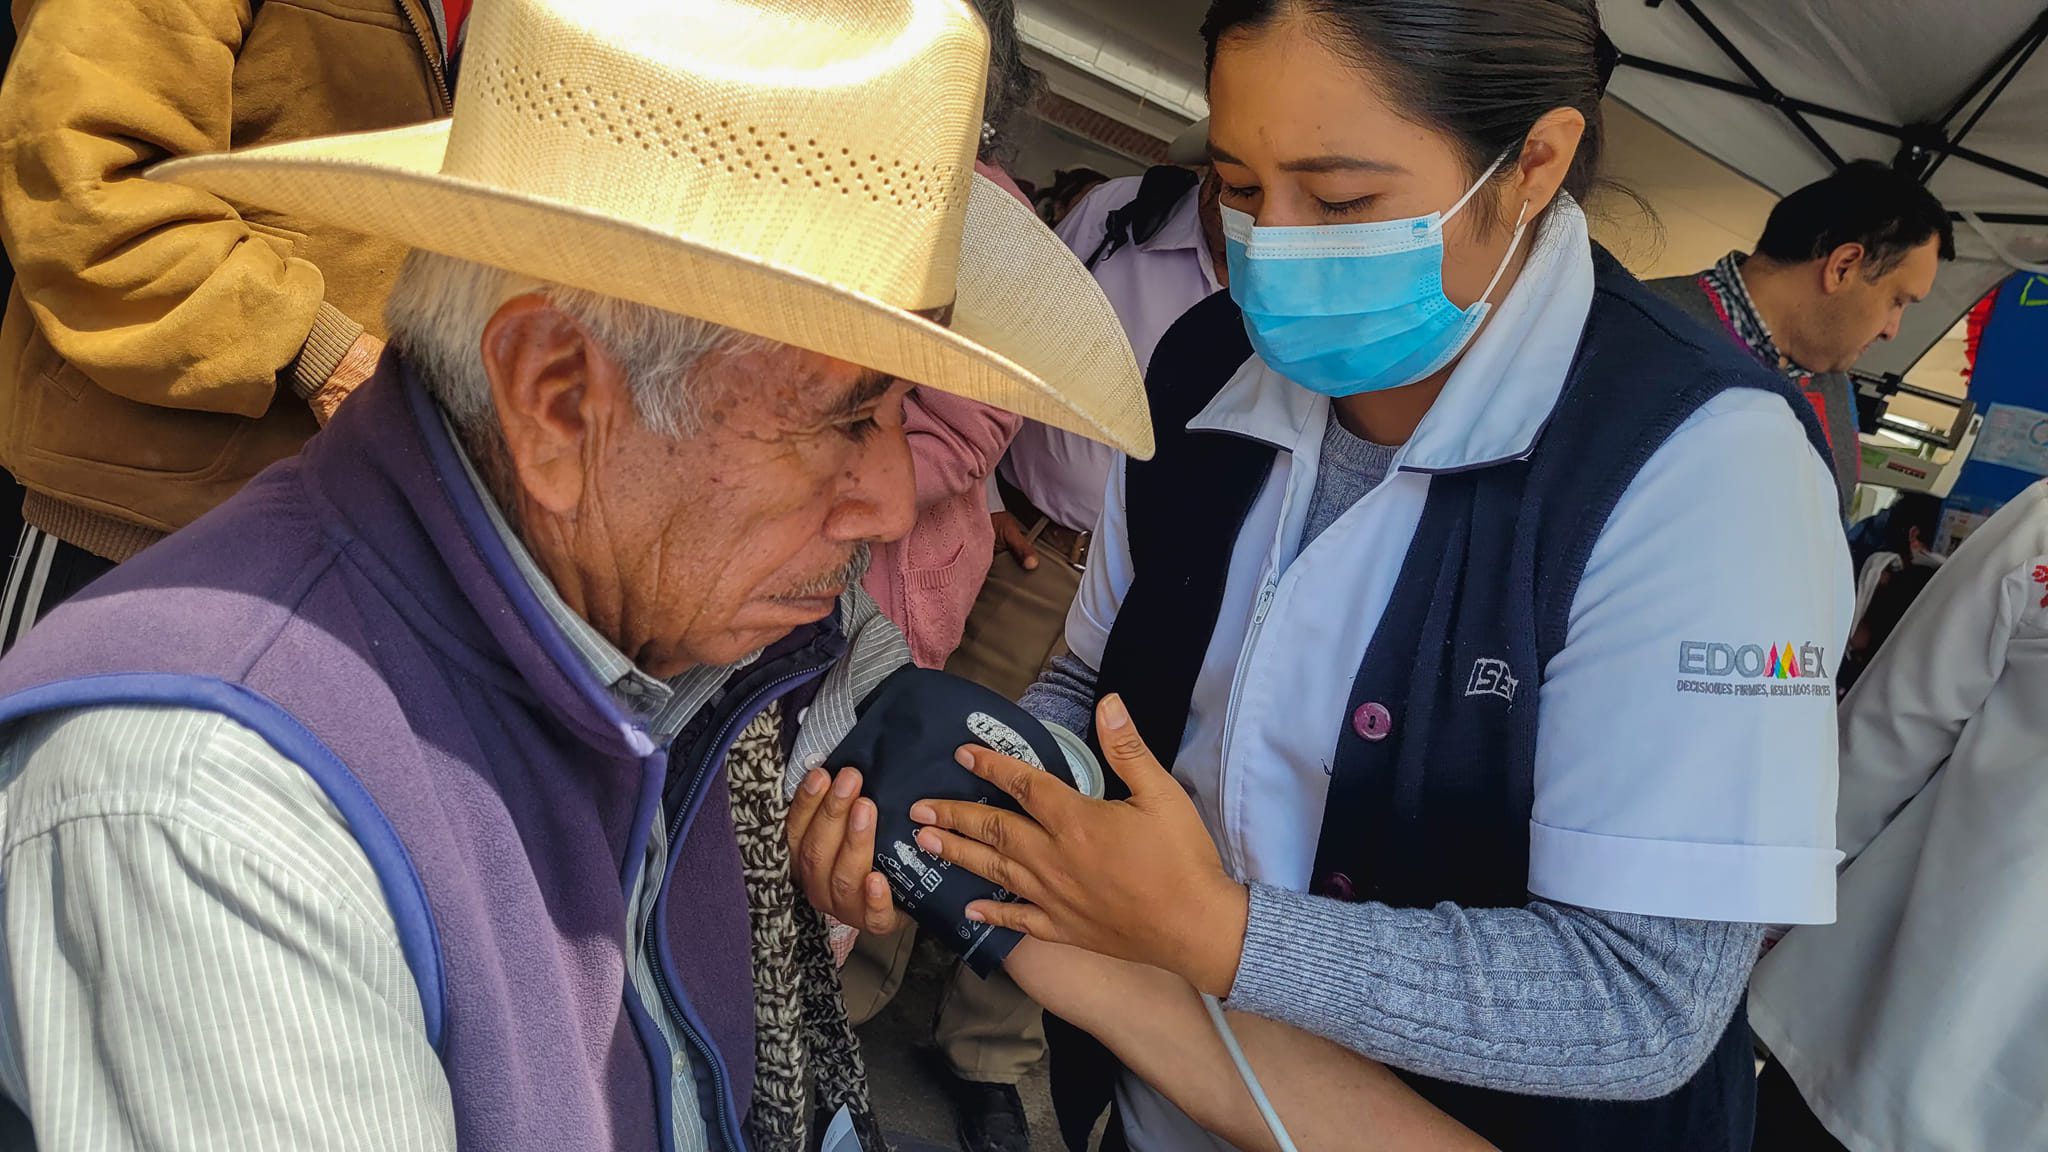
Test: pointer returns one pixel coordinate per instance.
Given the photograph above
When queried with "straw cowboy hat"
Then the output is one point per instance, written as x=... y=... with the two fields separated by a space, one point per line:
x=797 y=169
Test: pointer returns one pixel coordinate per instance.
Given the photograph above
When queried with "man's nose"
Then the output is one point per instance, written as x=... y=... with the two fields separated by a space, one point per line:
x=882 y=505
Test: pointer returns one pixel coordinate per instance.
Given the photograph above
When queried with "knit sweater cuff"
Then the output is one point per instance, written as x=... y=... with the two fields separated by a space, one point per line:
x=1547 y=999
x=1272 y=978
x=1064 y=694
x=332 y=335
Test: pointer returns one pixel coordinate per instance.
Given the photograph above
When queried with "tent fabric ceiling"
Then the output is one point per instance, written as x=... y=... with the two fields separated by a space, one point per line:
x=1896 y=61
x=1901 y=62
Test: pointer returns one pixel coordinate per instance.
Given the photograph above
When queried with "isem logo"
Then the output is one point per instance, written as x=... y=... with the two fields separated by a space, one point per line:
x=1492 y=678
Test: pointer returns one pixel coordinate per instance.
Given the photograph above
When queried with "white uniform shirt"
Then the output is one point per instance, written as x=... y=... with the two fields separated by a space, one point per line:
x=1654 y=793
x=1150 y=285
x=1915 y=1021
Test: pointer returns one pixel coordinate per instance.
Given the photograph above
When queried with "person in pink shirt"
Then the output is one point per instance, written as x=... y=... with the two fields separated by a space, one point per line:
x=927 y=582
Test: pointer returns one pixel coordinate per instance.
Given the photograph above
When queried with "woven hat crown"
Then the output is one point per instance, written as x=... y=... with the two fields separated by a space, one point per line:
x=801 y=170
x=834 y=138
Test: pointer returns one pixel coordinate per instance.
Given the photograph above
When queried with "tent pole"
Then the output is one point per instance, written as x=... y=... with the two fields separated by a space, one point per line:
x=1773 y=97
x=2002 y=167
x=2033 y=34
x=2014 y=61
x=1924 y=138
x=1908 y=136
x=1769 y=92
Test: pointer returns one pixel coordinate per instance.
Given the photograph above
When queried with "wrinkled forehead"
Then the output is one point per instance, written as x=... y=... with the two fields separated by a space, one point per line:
x=797 y=388
x=806 y=384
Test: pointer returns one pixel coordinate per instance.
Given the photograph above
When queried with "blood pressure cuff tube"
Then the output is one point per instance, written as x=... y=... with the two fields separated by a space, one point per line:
x=910 y=727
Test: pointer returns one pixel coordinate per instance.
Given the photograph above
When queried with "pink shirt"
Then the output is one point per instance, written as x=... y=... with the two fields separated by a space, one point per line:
x=1149 y=285
x=926 y=582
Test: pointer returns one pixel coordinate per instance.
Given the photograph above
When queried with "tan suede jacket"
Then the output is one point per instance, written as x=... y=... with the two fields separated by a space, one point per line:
x=152 y=328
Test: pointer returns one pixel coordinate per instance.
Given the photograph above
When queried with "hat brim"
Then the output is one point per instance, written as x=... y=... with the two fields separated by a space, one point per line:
x=1030 y=331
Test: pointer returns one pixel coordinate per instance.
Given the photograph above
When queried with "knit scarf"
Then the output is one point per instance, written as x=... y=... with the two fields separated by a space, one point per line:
x=801 y=1034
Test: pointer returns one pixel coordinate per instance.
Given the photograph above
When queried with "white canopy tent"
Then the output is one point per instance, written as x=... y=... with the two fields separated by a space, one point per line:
x=1953 y=91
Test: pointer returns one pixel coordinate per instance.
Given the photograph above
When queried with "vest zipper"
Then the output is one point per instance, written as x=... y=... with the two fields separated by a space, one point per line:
x=1268 y=587
x=672 y=1002
x=421 y=29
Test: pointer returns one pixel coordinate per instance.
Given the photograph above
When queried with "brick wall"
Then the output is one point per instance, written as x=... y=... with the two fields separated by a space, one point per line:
x=1093 y=126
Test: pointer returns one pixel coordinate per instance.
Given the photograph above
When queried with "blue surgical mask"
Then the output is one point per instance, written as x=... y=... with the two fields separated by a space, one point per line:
x=1342 y=309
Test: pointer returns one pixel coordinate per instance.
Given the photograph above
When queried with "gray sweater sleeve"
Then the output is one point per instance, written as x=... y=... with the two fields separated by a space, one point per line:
x=1064 y=695
x=1549 y=999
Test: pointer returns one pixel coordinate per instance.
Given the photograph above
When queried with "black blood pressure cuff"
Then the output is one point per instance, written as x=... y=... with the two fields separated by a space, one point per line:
x=910 y=728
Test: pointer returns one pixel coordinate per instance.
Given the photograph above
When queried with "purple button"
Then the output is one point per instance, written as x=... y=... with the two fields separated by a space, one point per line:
x=1372 y=721
x=1337 y=886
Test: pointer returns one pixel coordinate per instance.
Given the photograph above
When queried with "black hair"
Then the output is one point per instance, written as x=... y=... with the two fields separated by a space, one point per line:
x=1012 y=84
x=1888 y=607
x=1481 y=71
x=1867 y=203
x=1910 y=511
x=1068 y=184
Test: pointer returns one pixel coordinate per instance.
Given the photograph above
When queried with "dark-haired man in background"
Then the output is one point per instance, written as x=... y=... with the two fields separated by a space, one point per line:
x=1839 y=263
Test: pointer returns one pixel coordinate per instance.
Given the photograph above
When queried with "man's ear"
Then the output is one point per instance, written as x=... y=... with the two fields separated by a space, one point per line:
x=1841 y=264
x=551 y=386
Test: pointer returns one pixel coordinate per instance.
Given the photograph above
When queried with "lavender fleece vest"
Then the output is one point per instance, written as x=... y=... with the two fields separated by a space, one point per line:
x=355 y=607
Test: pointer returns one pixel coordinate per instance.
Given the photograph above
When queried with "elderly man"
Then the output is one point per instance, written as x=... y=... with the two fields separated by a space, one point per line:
x=431 y=790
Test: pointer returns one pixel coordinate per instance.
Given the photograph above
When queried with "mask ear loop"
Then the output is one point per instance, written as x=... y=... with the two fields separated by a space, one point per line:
x=1514 y=242
x=1474 y=190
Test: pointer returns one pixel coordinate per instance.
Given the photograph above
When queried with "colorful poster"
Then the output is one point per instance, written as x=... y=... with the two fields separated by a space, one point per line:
x=2014 y=437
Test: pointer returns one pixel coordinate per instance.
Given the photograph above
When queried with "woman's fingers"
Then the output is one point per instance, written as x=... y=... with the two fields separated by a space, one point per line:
x=1029 y=919
x=1004 y=832
x=1125 y=750
x=978 y=858
x=1045 y=796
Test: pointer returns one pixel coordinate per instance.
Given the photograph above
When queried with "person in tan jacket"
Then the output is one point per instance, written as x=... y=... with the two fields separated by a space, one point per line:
x=162 y=346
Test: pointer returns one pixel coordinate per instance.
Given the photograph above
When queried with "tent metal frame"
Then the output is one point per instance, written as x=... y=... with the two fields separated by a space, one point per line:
x=1923 y=148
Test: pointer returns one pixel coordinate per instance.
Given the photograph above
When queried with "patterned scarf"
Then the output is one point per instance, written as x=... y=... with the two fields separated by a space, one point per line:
x=802 y=1037
x=1730 y=295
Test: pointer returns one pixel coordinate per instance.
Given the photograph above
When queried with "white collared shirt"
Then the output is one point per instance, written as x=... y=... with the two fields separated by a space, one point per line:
x=1149 y=284
x=1651 y=796
x=1914 y=1022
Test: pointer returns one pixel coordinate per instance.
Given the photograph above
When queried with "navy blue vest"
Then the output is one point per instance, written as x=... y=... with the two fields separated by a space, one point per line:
x=1435 y=805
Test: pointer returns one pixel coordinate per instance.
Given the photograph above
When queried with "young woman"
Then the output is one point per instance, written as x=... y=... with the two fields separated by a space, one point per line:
x=1482 y=608
x=1485 y=610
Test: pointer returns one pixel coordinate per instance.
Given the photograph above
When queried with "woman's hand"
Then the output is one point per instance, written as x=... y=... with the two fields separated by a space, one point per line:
x=1136 y=879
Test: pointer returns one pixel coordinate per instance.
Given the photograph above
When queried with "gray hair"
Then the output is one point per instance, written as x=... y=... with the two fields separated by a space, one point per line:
x=438 y=309
x=1013 y=85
